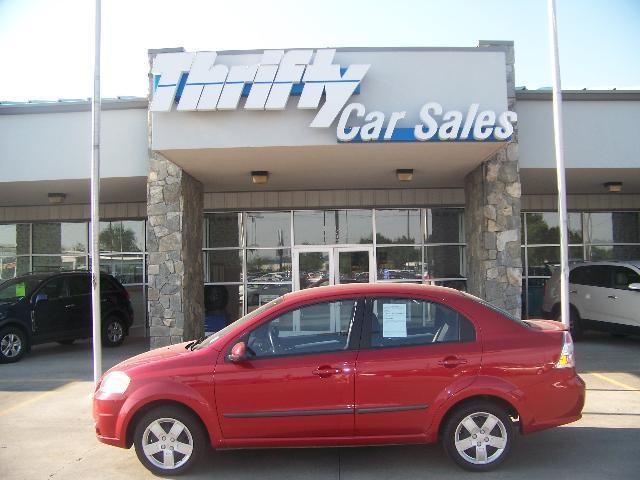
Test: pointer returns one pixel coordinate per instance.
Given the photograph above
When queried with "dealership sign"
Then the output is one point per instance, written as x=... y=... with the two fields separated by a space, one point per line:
x=197 y=83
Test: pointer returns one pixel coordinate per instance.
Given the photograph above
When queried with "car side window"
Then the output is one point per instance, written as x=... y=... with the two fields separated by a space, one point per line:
x=623 y=276
x=316 y=328
x=54 y=288
x=79 y=285
x=593 y=276
x=405 y=322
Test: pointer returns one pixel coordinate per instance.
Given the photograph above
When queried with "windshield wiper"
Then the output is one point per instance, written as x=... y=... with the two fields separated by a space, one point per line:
x=191 y=345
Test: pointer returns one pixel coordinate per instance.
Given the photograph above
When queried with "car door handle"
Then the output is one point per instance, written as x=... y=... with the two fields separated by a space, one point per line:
x=573 y=291
x=452 y=362
x=324 y=372
x=612 y=297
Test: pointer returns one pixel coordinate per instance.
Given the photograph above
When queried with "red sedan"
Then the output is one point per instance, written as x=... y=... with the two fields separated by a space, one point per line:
x=347 y=365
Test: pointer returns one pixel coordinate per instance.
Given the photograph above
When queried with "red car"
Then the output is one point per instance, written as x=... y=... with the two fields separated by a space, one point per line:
x=358 y=364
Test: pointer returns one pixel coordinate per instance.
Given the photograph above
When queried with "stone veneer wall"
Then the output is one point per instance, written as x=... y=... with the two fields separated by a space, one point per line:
x=492 y=216
x=174 y=242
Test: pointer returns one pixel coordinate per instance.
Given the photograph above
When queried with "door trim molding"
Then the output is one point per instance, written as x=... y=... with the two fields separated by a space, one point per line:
x=327 y=411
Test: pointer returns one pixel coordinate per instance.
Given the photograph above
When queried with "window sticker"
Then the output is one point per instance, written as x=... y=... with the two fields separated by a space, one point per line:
x=20 y=290
x=394 y=320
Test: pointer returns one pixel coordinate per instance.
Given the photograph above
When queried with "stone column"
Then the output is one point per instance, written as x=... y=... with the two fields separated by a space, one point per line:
x=174 y=242
x=492 y=225
x=492 y=215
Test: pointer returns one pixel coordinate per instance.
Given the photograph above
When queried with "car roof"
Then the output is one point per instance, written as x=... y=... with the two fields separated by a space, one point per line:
x=635 y=263
x=366 y=289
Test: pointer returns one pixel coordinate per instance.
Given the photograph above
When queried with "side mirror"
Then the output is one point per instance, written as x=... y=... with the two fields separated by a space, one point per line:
x=238 y=352
x=634 y=286
x=41 y=297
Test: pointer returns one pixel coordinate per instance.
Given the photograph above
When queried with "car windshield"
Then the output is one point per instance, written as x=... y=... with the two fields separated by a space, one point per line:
x=18 y=288
x=241 y=321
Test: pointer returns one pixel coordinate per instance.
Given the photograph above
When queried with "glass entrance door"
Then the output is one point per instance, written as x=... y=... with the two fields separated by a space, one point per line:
x=320 y=266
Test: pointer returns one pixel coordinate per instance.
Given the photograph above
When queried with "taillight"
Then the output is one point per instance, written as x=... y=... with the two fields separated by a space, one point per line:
x=567 y=359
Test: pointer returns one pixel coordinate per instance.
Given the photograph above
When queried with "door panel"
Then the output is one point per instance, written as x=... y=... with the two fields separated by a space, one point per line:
x=52 y=318
x=80 y=301
x=624 y=304
x=354 y=265
x=409 y=364
x=298 y=381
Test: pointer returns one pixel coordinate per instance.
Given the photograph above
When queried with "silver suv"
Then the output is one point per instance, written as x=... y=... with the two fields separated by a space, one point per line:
x=604 y=296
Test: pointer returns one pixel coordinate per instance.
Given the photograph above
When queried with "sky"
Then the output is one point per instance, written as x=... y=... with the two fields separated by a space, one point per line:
x=46 y=46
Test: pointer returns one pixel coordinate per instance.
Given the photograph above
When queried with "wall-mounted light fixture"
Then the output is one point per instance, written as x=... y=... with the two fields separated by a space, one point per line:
x=56 y=198
x=613 y=187
x=259 y=177
x=404 y=174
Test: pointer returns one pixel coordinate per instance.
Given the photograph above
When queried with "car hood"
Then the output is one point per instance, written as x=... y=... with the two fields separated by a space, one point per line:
x=152 y=356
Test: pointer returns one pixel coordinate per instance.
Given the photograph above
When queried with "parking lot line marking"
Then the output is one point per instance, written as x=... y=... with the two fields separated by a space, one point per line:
x=31 y=400
x=614 y=382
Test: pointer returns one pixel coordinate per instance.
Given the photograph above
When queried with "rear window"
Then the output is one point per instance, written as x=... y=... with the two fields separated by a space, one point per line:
x=497 y=309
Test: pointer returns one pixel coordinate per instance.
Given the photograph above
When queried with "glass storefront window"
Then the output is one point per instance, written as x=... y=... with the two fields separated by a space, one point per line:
x=399 y=263
x=542 y=228
x=613 y=252
x=122 y=236
x=60 y=238
x=128 y=269
x=15 y=239
x=269 y=265
x=398 y=226
x=314 y=269
x=445 y=225
x=268 y=229
x=444 y=261
x=50 y=263
x=223 y=230
x=540 y=259
x=223 y=304
x=223 y=265
x=258 y=295
x=612 y=227
x=330 y=227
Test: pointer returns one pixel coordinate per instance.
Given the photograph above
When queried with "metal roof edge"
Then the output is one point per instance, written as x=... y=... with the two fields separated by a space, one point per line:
x=72 y=106
x=583 y=95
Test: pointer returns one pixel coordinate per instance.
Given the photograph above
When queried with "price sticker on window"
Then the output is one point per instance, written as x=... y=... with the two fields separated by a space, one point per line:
x=20 y=290
x=394 y=320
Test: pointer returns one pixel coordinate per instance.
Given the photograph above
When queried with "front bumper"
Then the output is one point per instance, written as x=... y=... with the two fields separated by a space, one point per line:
x=107 y=419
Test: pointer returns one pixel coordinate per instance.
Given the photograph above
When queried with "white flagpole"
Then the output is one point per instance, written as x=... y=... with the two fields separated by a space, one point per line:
x=559 y=142
x=95 y=204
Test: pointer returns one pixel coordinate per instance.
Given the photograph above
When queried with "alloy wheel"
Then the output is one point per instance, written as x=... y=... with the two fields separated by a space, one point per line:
x=114 y=332
x=11 y=345
x=167 y=443
x=481 y=438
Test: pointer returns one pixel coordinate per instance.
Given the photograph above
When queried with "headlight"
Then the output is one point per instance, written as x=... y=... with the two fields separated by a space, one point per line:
x=115 y=382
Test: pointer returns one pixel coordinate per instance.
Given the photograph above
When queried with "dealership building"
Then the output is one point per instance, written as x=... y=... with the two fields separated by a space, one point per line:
x=249 y=174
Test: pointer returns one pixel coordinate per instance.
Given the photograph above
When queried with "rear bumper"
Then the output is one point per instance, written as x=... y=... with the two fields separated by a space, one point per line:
x=555 y=403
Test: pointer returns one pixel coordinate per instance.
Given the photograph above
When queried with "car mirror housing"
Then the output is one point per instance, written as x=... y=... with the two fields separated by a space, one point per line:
x=634 y=286
x=238 y=353
x=41 y=297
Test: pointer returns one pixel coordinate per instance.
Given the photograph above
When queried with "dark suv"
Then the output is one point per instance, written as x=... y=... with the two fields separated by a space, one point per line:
x=56 y=307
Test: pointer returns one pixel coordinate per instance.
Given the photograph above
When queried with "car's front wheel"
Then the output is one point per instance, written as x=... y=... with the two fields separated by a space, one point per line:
x=168 y=440
x=13 y=344
x=479 y=436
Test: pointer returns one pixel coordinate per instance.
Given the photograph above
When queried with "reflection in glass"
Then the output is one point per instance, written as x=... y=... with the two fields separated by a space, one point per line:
x=268 y=229
x=613 y=252
x=222 y=306
x=612 y=227
x=127 y=269
x=445 y=261
x=543 y=228
x=224 y=265
x=542 y=260
x=314 y=269
x=15 y=239
x=269 y=265
x=445 y=225
x=398 y=226
x=399 y=263
x=56 y=238
x=54 y=263
x=258 y=295
x=353 y=267
x=329 y=227
x=122 y=236
x=456 y=284
x=222 y=230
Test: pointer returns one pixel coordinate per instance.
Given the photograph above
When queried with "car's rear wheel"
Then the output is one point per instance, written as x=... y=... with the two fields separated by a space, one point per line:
x=113 y=332
x=13 y=344
x=478 y=436
x=168 y=440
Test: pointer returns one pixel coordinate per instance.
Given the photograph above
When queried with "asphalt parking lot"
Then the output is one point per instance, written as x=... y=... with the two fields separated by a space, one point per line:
x=46 y=429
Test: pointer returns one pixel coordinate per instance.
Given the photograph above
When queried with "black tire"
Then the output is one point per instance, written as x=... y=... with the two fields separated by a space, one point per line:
x=13 y=344
x=193 y=434
x=113 y=332
x=502 y=433
x=67 y=342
